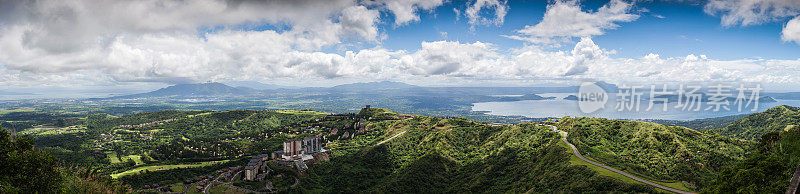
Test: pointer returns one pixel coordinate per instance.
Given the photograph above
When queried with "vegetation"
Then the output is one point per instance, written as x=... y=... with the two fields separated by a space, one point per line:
x=433 y=154
x=703 y=124
x=459 y=155
x=755 y=125
x=654 y=151
x=24 y=169
x=767 y=170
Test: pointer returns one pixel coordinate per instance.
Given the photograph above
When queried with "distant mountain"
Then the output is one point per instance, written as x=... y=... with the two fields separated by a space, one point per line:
x=13 y=93
x=383 y=85
x=757 y=124
x=185 y=90
x=705 y=98
x=256 y=85
x=523 y=97
x=571 y=97
x=784 y=96
x=610 y=88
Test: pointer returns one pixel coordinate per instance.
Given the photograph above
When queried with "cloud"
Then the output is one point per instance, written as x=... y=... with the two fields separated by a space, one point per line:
x=751 y=12
x=159 y=40
x=497 y=7
x=587 y=60
x=565 y=20
x=67 y=43
x=66 y=26
x=449 y=58
x=791 y=32
x=406 y=11
x=754 y=12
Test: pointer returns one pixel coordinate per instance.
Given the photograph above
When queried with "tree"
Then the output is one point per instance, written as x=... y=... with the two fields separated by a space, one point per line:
x=25 y=170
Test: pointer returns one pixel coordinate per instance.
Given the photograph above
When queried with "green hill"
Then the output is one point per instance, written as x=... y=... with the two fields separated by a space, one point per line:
x=767 y=170
x=757 y=124
x=456 y=156
x=654 y=151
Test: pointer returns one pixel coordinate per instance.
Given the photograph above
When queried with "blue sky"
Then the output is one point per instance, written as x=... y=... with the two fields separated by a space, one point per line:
x=685 y=29
x=144 y=45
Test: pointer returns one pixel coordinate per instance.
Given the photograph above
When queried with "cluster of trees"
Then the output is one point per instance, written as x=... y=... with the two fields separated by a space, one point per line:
x=767 y=170
x=24 y=169
x=703 y=124
x=104 y=123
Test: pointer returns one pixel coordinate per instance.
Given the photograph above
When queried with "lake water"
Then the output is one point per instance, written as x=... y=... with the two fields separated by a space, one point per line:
x=560 y=108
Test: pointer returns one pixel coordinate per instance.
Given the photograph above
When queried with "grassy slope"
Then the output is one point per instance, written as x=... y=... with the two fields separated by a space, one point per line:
x=165 y=167
x=652 y=151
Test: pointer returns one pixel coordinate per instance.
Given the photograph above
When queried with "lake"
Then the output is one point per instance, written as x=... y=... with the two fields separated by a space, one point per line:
x=560 y=108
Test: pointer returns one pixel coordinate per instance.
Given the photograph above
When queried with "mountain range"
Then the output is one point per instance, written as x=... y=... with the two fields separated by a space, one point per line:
x=382 y=87
x=186 y=90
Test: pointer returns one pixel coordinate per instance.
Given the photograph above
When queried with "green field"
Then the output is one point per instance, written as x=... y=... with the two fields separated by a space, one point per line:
x=112 y=156
x=165 y=167
x=135 y=158
x=178 y=188
x=224 y=189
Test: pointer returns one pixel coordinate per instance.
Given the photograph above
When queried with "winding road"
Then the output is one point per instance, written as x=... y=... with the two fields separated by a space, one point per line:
x=578 y=154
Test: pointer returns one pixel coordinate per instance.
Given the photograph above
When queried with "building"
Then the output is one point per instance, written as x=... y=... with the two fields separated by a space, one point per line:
x=276 y=154
x=254 y=166
x=311 y=144
x=291 y=149
x=251 y=170
x=250 y=173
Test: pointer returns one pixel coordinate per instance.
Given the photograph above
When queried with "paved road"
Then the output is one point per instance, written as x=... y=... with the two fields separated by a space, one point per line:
x=578 y=154
x=795 y=182
x=384 y=141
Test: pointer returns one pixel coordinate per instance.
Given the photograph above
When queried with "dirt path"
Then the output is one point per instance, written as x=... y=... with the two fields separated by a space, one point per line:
x=578 y=154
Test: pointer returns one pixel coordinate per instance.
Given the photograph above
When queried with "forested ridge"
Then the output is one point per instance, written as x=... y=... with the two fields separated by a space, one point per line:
x=459 y=155
x=757 y=124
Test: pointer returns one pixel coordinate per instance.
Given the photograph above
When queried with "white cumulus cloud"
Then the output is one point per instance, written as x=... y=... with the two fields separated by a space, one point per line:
x=497 y=8
x=750 y=12
x=565 y=20
x=791 y=32
x=406 y=11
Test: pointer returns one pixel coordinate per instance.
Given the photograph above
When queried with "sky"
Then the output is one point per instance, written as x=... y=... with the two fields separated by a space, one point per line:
x=128 y=46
